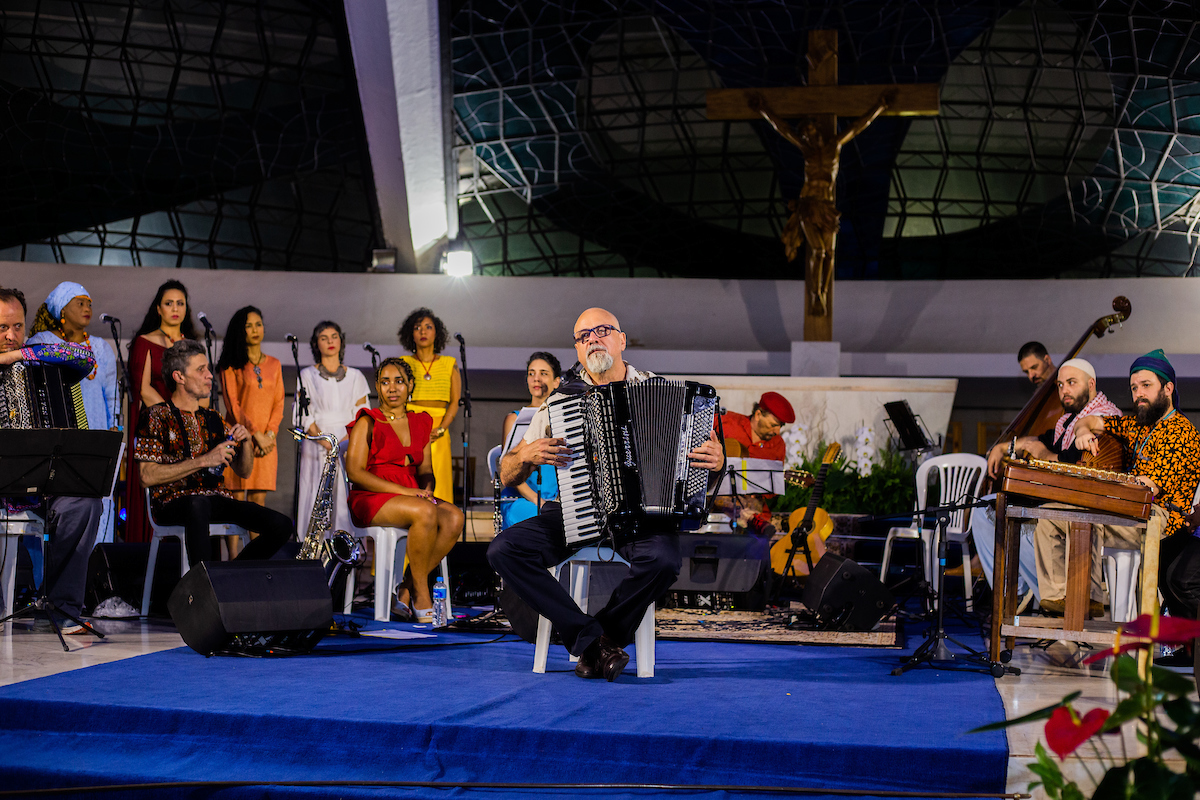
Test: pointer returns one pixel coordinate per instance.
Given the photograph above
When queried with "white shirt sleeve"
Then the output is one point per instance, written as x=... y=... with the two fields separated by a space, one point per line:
x=538 y=425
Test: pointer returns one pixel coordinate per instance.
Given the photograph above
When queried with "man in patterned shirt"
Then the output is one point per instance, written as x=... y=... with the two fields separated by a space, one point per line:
x=183 y=450
x=75 y=519
x=1163 y=449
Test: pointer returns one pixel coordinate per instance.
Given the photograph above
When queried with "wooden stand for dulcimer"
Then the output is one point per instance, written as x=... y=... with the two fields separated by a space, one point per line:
x=1021 y=486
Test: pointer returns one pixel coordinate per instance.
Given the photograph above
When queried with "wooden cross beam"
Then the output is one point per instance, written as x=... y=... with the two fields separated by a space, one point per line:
x=820 y=103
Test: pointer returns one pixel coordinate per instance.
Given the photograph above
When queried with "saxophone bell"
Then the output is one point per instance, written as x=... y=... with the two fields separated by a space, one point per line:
x=335 y=549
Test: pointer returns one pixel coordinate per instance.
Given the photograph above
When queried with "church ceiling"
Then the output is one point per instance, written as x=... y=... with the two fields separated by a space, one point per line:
x=1067 y=143
x=203 y=134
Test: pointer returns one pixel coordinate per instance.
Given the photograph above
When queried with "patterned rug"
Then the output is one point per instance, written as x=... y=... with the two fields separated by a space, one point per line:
x=767 y=627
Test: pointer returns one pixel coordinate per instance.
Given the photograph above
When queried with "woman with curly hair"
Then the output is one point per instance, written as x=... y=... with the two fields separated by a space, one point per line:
x=167 y=321
x=388 y=462
x=64 y=317
x=335 y=395
x=252 y=384
x=438 y=387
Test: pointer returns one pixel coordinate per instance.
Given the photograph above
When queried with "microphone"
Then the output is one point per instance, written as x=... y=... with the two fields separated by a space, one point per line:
x=108 y=318
x=291 y=337
x=367 y=346
x=459 y=338
x=204 y=319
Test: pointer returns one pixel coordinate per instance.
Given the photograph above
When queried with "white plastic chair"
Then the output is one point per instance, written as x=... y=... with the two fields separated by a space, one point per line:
x=1122 y=570
x=163 y=531
x=13 y=527
x=580 y=563
x=961 y=476
x=390 y=547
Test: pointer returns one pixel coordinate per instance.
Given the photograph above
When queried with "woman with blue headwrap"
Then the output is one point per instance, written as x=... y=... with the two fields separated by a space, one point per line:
x=64 y=317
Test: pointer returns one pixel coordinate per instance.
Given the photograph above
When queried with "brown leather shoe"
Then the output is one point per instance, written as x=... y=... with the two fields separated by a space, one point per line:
x=1055 y=608
x=612 y=659
x=588 y=665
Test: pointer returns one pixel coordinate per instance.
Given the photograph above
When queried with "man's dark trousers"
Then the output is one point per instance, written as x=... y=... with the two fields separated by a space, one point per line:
x=523 y=553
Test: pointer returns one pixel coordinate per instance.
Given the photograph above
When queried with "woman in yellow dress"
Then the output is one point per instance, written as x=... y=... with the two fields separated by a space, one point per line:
x=438 y=387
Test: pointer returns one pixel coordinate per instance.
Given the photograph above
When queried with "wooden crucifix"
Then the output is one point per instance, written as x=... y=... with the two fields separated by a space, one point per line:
x=814 y=216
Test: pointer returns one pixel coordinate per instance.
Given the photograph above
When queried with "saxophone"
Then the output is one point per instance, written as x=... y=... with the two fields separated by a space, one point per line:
x=340 y=549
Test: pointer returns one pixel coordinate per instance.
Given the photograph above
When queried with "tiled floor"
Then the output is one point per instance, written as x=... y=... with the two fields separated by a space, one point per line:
x=1046 y=677
x=26 y=654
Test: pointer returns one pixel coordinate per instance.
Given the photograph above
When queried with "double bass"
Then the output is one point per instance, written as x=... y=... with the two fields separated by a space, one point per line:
x=1040 y=413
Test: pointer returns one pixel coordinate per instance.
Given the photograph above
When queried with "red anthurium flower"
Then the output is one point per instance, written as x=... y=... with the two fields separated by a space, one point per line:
x=1148 y=629
x=1065 y=731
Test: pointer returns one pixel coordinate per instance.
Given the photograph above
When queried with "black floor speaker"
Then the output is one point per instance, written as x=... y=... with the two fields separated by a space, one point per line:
x=252 y=607
x=844 y=596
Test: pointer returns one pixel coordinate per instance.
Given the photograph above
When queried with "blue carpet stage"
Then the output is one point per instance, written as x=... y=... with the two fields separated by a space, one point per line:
x=741 y=714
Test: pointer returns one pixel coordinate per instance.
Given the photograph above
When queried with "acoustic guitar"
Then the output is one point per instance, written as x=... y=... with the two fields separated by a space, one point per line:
x=811 y=522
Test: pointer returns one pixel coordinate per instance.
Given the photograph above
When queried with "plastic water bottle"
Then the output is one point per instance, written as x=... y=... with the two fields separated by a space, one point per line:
x=220 y=469
x=439 y=603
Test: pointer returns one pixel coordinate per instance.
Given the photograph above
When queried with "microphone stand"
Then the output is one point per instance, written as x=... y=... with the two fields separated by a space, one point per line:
x=208 y=346
x=123 y=382
x=464 y=401
x=934 y=652
x=301 y=403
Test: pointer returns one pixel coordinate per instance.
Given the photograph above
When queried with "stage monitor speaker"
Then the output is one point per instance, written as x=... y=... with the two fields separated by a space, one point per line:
x=252 y=607
x=844 y=596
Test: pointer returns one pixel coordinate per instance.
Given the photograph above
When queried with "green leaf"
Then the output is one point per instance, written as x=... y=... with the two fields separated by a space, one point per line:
x=1041 y=713
x=1170 y=682
x=1047 y=769
x=1125 y=674
x=1072 y=792
x=1184 y=744
x=1183 y=712
x=1126 y=710
x=1156 y=781
x=1114 y=785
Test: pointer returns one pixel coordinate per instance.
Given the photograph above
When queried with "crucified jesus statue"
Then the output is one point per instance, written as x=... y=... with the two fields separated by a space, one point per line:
x=814 y=216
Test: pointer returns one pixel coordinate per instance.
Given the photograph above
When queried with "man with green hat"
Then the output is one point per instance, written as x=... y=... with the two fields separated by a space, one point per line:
x=1162 y=449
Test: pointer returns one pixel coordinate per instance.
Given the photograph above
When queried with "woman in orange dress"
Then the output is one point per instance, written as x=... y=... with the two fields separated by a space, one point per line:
x=388 y=462
x=252 y=383
x=167 y=321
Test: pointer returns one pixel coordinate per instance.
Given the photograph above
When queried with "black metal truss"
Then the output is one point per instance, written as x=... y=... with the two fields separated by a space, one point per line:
x=209 y=134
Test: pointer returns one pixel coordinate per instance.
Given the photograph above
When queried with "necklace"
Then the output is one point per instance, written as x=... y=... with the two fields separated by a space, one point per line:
x=1137 y=453
x=258 y=368
x=392 y=417
x=427 y=370
x=170 y=338
x=336 y=375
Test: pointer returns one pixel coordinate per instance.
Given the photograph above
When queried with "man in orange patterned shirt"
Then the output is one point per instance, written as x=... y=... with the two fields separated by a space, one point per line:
x=1163 y=450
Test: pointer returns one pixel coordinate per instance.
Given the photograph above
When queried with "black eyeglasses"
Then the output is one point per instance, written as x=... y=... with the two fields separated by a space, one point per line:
x=600 y=330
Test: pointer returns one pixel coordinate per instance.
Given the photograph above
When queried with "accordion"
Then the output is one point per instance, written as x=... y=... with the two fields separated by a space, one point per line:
x=631 y=476
x=37 y=395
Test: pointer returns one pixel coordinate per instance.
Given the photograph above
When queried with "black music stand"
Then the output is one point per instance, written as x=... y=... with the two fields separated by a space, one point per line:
x=47 y=463
x=908 y=427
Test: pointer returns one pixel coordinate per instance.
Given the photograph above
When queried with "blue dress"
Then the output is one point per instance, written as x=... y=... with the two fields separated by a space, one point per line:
x=514 y=508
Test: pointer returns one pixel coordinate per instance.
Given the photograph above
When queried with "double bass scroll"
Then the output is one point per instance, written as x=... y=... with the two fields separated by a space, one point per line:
x=1026 y=422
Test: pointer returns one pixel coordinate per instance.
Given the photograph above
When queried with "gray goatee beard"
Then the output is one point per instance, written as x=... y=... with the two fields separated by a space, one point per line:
x=599 y=362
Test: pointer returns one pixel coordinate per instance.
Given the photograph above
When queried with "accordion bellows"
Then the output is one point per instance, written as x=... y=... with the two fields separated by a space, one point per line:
x=631 y=476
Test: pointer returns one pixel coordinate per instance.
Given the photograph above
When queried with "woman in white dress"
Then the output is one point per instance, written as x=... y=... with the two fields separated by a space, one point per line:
x=335 y=394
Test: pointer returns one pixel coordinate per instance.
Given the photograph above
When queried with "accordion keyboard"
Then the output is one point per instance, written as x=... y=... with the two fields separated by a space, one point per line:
x=580 y=520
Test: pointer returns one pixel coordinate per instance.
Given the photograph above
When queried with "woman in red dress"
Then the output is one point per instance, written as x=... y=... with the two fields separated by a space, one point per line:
x=167 y=321
x=387 y=460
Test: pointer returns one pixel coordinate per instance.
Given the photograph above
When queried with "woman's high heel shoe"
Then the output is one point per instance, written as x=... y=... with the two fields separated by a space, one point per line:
x=423 y=615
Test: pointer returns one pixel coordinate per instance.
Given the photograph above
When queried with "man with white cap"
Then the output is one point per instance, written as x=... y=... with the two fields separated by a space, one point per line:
x=1079 y=397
